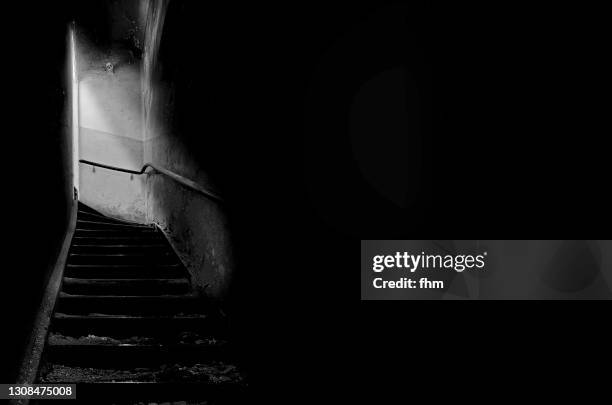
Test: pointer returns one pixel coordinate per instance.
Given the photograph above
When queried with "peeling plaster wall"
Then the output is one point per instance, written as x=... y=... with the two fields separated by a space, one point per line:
x=196 y=226
x=197 y=229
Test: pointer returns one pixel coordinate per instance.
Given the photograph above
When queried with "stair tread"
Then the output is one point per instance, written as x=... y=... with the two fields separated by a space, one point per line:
x=121 y=356
x=129 y=303
x=116 y=231
x=136 y=271
x=121 y=266
x=59 y=315
x=184 y=338
x=101 y=217
x=160 y=381
x=135 y=254
x=86 y=216
x=127 y=257
x=104 y=245
x=126 y=286
x=126 y=313
x=161 y=297
x=130 y=240
x=144 y=346
x=84 y=221
x=122 y=235
x=177 y=280
x=81 y=211
x=84 y=208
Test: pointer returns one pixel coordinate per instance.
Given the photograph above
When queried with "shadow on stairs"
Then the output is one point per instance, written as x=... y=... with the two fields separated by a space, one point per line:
x=128 y=327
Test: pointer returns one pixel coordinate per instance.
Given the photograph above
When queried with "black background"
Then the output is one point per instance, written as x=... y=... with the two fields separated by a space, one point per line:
x=513 y=133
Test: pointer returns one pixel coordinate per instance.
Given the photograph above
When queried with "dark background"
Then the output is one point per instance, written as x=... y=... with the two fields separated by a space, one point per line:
x=510 y=134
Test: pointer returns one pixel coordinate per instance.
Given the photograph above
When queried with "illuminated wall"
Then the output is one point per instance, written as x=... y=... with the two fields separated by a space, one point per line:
x=110 y=125
x=196 y=227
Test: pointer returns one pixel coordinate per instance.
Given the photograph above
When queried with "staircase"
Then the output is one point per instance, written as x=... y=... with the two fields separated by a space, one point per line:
x=127 y=313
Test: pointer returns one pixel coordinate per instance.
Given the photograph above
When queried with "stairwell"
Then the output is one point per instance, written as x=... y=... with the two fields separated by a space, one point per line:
x=126 y=313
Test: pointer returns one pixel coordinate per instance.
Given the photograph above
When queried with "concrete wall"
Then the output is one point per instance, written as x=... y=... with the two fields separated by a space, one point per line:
x=113 y=193
x=197 y=229
x=196 y=226
x=110 y=126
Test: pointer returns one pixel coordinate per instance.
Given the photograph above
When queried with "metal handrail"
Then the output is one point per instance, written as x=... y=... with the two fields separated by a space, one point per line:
x=176 y=177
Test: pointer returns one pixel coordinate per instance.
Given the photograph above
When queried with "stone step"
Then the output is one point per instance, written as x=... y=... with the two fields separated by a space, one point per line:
x=119 y=248
x=125 y=232
x=131 y=304
x=126 y=314
x=89 y=216
x=146 y=238
x=165 y=257
x=134 y=355
x=126 y=326
x=85 y=224
x=124 y=286
x=124 y=271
